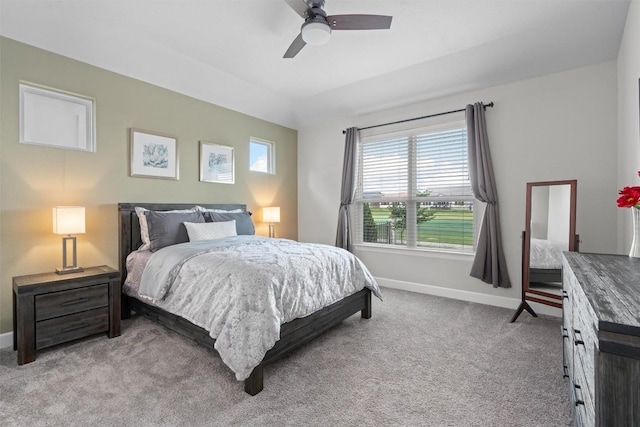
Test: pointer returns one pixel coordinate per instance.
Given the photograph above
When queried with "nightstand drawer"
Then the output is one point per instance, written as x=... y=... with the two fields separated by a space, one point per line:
x=58 y=304
x=60 y=329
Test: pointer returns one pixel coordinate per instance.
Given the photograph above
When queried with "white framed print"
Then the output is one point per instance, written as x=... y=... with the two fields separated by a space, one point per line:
x=153 y=155
x=56 y=118
x=216 y=163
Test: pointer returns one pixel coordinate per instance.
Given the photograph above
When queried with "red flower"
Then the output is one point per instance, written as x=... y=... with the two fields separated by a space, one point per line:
x=629 y=196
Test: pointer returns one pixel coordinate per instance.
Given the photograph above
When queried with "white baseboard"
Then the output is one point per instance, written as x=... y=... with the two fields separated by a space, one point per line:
x=458 y=294
x=6 y=340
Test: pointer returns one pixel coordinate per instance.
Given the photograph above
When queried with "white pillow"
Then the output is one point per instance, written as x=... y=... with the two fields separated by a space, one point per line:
x=144 y=227
x=210 y=230
x=202 y=209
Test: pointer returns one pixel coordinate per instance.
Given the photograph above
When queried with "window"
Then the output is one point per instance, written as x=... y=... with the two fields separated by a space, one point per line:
x=413 y=190
x=56 y=118
x=262 y=156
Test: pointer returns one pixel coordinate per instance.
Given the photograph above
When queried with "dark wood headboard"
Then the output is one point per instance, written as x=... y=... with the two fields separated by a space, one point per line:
x=129 y=237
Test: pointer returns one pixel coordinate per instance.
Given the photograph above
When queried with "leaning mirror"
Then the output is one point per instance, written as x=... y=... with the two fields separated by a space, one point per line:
x=550 y=229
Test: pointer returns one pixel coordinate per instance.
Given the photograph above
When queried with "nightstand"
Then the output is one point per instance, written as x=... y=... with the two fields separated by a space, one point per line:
x=50 y=308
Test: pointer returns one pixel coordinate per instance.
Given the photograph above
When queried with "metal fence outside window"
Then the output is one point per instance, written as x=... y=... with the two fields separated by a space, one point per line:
x=381 y=232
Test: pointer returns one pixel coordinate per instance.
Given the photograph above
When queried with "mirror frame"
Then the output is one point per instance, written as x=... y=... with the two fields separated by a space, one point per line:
x=536 y=295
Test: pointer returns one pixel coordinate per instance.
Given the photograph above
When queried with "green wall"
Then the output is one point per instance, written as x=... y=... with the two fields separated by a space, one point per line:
x=33 y=179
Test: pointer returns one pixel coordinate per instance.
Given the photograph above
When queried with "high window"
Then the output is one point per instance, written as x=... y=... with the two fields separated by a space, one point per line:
x=413 y=190
x=262 y=156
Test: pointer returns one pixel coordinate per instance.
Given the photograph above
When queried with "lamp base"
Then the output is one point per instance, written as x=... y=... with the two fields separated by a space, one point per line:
x=66 y=267
x=69 y=270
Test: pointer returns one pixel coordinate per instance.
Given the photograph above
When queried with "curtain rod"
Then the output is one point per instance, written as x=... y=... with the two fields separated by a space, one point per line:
x=419 y=118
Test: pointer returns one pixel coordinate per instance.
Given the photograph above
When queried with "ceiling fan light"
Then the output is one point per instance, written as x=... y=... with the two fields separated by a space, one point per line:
x=316 y=33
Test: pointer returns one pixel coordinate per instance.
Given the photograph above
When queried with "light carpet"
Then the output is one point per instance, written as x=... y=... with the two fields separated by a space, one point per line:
x=419 y=361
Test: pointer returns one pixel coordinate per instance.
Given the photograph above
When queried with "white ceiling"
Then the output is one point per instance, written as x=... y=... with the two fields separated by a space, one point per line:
x=229 y=52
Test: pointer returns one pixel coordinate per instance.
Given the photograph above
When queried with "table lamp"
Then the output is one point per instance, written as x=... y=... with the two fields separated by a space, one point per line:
x=68 y=220
x=271 y=215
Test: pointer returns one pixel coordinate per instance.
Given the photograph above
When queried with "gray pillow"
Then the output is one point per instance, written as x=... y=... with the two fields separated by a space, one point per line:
x=244 y=225
x=167 y=228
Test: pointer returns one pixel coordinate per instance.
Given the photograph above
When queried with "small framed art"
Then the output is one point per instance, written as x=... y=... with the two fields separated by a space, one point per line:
x=153 y=155
x=216 y=163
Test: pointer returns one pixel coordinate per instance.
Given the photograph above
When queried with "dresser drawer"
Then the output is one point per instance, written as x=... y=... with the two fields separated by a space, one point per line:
x=567 y=326
x=567 y=354
x=584 y=348
x=66 y=328
x=567 y=298
x=62 y=303
x=585 y=340
x=583 y=399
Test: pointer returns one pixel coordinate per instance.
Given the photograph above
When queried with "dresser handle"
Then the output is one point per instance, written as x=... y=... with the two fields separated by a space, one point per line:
x=577 y=341
x=565 y=333
x=74 y=301
x=565 y=294
x=578 y=401
x=73 y=328
x=566 y=371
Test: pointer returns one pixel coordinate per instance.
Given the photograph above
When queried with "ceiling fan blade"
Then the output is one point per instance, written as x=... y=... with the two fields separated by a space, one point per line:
x=299 y=6
x=295 y=47
x=359 y=22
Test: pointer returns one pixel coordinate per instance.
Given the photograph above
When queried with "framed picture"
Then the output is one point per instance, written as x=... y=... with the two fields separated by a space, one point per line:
x=216 y=163
x=153 y=155
x=56 y=118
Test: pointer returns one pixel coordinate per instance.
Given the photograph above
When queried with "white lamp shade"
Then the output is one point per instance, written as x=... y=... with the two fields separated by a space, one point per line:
x=271 y=214
x=316 y=33
x=68 y=220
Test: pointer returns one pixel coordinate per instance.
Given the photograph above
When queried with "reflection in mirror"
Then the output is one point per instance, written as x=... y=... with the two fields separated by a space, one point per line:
x=550 y=227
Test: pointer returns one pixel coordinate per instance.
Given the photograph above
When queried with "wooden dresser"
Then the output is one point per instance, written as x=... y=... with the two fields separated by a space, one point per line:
x=601 y=334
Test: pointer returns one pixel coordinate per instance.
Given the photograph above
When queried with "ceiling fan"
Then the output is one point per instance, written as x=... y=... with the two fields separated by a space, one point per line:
x=317 y=26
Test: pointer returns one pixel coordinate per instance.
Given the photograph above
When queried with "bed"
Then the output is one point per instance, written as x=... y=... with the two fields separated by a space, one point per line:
x=545 y=265
x=292 y=334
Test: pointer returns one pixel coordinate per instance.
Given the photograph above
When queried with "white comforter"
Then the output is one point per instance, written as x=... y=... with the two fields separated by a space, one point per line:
x=241 y=289
x=546 y=254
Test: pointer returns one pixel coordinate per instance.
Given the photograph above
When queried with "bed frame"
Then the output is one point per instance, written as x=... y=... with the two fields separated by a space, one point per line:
x=545 y=275
x=292 y=334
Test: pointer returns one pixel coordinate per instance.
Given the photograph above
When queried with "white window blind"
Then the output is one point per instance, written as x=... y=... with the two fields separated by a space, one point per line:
x=414 y=190
x=384 y=172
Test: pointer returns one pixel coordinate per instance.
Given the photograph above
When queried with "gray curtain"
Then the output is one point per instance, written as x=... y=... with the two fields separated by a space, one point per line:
x=489 y=264
x=343 y=236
